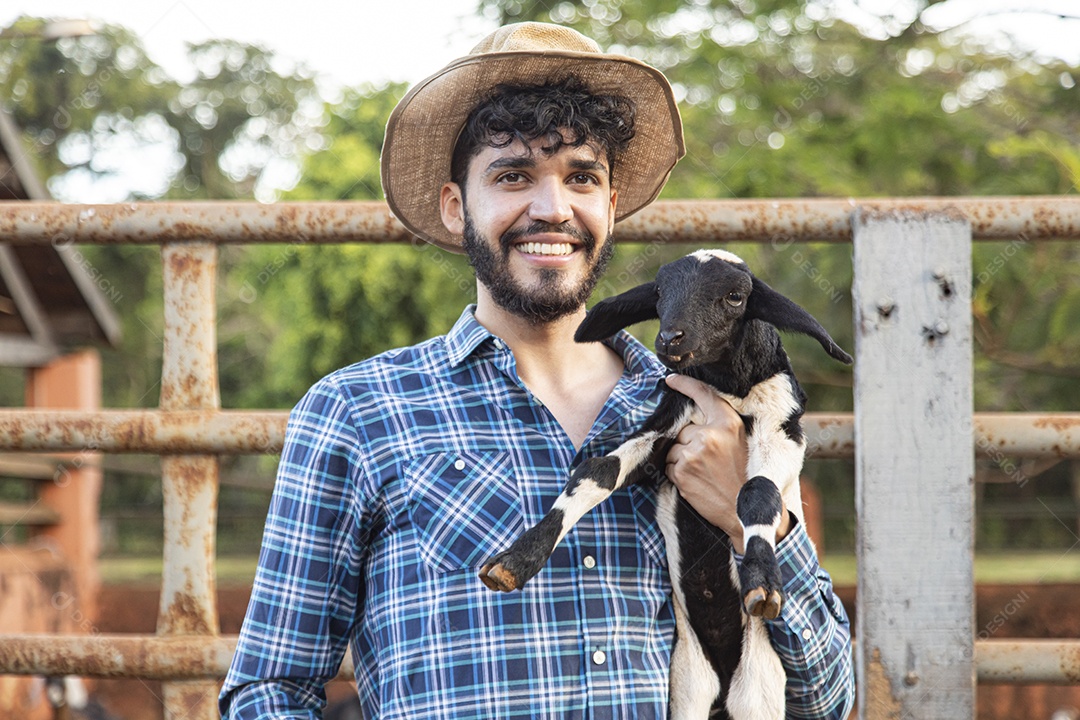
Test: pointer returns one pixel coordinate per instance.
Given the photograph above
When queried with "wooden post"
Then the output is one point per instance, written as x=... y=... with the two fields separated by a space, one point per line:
x=914 y=465
x=73 y=381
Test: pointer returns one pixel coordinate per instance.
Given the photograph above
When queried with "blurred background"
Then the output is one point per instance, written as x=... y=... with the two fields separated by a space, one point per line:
x=780 y=98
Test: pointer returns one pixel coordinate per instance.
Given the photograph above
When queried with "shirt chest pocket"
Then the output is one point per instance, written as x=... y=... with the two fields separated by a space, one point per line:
x=465 y=507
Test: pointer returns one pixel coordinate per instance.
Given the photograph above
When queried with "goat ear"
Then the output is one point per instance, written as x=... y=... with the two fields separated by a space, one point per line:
x=612 y=314
x=772 y=307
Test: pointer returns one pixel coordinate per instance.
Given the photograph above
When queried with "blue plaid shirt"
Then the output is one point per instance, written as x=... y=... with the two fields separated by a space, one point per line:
x=400 y=476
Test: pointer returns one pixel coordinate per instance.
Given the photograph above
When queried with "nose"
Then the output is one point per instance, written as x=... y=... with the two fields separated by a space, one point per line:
x=551 y=202
x=668 y=338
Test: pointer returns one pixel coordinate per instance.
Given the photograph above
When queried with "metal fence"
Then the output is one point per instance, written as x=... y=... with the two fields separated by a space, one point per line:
x=910 y=662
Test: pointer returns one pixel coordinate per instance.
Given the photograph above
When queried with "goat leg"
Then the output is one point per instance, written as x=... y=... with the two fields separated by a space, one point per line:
x=759 y=507
x=590 y=484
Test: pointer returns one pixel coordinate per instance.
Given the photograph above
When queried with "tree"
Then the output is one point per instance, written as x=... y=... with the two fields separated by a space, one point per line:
x=325 y=307
x=88 y=105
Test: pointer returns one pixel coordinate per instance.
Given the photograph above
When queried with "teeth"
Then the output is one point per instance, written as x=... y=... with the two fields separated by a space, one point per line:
x=535 y=248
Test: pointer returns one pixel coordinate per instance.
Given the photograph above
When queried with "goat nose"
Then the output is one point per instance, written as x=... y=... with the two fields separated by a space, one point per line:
x=671 y=337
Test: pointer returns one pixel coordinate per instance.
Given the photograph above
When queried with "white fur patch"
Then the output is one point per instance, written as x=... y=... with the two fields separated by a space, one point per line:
x=587 y=495
x=765 y=532
x=706 y=255
x=757 y=687
x=771 y=452
x=694 y=684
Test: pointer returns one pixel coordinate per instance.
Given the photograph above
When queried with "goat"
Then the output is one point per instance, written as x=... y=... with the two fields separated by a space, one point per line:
x=718 y=323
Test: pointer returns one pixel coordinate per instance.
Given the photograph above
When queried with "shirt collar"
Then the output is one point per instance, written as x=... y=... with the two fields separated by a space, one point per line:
x=468 y=334
x=465 y=336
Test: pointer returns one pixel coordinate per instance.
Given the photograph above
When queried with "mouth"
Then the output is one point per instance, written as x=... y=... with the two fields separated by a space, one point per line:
x=675 y=361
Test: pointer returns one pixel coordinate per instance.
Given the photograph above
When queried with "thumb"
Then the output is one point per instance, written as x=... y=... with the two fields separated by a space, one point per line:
x=699 y=392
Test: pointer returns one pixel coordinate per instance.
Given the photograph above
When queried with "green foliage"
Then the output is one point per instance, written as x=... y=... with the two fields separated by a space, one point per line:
x=80 y=99
x=321 y=308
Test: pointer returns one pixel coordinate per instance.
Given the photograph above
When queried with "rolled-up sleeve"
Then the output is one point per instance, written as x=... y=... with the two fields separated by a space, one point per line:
x=812 y=636
x=307 y=586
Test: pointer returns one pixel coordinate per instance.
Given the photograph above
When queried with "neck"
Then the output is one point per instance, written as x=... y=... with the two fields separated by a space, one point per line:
x=545 y=353
x=572 y=380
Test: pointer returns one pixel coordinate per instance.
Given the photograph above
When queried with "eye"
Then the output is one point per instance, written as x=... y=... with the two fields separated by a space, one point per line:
x=734 y=299
x=583 y=179
x=511 y=177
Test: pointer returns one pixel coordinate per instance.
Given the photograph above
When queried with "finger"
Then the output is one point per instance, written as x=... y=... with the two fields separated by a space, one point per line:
x=692 y=388
x=703 y=395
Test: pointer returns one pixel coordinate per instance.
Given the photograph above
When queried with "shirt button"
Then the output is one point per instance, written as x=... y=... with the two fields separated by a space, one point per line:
x=806 y=634
x=499 y=343
x=599 y=658
x=459 y=465
x=589 y=562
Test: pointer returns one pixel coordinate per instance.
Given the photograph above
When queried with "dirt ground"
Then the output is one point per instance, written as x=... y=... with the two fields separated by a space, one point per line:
x=1021 y=611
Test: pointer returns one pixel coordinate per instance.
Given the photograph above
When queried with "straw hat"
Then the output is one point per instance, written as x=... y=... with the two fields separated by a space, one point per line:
x=422 y=130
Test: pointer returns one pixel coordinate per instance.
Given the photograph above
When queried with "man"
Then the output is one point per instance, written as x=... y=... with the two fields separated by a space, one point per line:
x=403 y=474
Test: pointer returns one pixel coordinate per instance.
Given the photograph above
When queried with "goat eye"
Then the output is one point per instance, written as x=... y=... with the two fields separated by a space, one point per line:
x=734 y=299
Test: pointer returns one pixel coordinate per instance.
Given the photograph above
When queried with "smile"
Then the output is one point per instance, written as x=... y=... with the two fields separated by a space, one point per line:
x=535 y=248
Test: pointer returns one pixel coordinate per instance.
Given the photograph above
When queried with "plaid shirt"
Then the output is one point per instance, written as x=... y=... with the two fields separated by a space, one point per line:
x=400 y=476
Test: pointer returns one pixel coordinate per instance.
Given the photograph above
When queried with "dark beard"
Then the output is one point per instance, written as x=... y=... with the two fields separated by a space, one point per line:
x=548 y=303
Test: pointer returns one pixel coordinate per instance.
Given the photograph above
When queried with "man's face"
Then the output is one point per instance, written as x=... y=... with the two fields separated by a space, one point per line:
x=537 y=226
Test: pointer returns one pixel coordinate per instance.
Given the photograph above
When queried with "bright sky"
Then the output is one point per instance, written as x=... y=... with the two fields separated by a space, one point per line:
x=348 y=41
x=354 y=41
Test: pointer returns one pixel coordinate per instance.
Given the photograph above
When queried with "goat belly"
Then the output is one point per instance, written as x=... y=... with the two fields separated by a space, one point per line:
x=712 y=598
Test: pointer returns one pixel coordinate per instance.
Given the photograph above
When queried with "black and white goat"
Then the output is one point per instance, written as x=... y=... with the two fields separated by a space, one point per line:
x=718 y=324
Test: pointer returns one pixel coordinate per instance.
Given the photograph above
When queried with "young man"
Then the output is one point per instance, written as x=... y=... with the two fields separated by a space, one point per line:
x=403 y=474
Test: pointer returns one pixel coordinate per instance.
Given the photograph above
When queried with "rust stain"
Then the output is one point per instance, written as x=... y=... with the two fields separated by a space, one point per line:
x=1058 y=423
x=881 y=702
x=186 y=615
x=1070 y=665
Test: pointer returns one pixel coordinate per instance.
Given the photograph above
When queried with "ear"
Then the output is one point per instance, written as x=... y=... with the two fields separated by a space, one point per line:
x=612 y=314
x=452 y=208
x=772 y=307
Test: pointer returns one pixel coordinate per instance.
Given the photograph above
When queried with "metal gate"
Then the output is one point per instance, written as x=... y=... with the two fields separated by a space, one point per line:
x=919 y=661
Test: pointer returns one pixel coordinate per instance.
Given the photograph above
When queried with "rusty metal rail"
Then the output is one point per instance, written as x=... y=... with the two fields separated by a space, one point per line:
x=249 y=432
x=190 y=430
x=705 y=222
x=1052 y=662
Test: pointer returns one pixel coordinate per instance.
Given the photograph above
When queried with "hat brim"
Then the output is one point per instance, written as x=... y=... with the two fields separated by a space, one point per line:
x=423 y=129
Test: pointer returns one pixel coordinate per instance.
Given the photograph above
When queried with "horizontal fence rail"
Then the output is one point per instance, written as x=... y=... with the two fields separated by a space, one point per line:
x=1051 y=662
x=243 y=432
x=705 y=222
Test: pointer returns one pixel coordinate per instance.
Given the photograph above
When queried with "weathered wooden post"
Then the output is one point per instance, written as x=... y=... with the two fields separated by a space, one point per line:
x=914 y=476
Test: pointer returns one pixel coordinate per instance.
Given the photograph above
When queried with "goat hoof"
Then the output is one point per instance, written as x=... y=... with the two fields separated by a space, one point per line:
x=758 y=603
x=498 y=578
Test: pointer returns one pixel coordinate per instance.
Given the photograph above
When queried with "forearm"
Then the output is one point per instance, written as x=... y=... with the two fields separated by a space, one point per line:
x=305 y=595
x=812 y=636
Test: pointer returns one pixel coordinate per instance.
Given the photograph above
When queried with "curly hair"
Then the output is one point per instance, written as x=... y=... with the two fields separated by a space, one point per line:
x=562 y=112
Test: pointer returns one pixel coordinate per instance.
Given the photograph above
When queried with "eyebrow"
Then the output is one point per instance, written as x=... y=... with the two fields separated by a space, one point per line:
x=594 y=165
x=510 y=162
x=527 y=161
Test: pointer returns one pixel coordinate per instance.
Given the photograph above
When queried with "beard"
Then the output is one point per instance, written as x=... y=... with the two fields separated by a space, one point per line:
x=551 y=299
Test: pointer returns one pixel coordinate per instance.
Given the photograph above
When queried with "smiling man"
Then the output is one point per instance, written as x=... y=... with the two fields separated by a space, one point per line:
x=401 y=475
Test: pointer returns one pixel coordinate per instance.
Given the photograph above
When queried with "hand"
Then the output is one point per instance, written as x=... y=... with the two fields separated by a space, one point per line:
x=707 y=463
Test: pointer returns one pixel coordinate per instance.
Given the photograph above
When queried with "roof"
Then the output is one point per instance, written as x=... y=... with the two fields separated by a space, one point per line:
x=50 y=297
